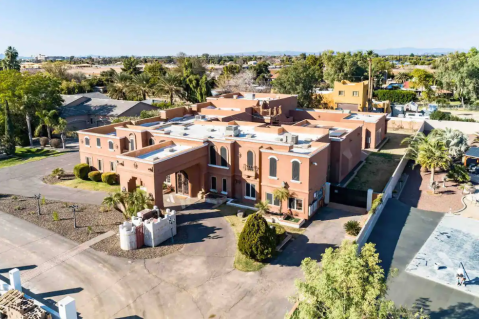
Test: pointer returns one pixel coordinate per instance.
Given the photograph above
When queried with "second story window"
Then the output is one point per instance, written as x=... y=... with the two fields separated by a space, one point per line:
x=98 y=142
x=212 y=155
x=110 y=145
x=341 y=93
x=355 y=93
x=224 y=156
x=132 y=142
x=151 y=141
x=87 y=141
x=272 y=167
x=249 y=161
x=295 y=170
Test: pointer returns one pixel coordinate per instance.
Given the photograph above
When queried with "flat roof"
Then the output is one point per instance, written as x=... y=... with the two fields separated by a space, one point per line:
x=370 y=118
x=202 y=131
x=164 y=152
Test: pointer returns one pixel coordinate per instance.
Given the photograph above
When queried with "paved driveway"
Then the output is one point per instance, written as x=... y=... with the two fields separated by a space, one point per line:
x=399 y=234
x=26 y=180
x=197 y=282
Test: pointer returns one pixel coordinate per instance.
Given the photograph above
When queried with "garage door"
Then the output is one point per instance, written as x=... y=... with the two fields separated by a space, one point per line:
x=348 y=106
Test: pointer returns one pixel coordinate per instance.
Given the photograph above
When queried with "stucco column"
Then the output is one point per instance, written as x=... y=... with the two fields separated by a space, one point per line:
x=158 y=190
x=369 y=200
x=67 y=308
x=15 y=281
x=327 y=188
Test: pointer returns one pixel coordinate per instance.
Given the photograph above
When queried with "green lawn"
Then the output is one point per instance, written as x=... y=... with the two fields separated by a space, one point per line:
x=26 y=155
x=90 y=185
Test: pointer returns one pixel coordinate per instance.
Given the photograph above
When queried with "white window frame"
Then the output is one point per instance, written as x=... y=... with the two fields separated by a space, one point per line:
x=355 y=93
x=216 y=184
x=251 y=193
x=341 y=93
x=98 y=141
x=112 y=166
x=168 y=179
x=299 y=177
x=100 y=165
x=295 y=204
x=88 y=160
x=274 y=199
x=112 y=145
x=87 y=138
x=269 y=163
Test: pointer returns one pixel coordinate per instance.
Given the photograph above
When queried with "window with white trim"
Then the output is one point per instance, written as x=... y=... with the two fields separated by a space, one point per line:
x=250 y=191
x=355 y=93
x=213 y=183
x=98 y=142
x=88 y=160
x=110 y=145
x=295 y=170
x=341 y=93
x=250 y=159
x=113 y=166
x=271 y=200
x=212 y=155
x=224 y=156
x=87 y=141
x=132 y=142
x=272 y=167
x=225 y=190
x=168 y=179
x=295 y=203
x=100 y=165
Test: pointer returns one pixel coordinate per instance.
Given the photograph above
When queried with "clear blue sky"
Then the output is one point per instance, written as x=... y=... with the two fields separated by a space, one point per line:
x=148 y=27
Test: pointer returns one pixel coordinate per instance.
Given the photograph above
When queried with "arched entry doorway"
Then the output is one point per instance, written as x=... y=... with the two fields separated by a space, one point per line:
x=182 y=183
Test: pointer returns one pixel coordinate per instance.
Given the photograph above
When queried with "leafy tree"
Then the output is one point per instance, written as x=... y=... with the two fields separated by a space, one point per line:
x=155 y=69
x=39 y=92
x=10 y=61
x=61 y=126
x=281 y=194
x=402 y=77
x=421 y=79
x=395 y=96
x=257 y=240
x=141 y=85
x=171 y=85
x=58 y=70
x=432 y=154
x=345 y=66
x=119 y=86
x=231 y=70
x=48 y=119
x=455 y=141
x=346 y=285
x=8 y=140
x=130 y=66
x=317 y=61
x=128 y=204
x=301 y=79
x=458 y=173
x=261 y=72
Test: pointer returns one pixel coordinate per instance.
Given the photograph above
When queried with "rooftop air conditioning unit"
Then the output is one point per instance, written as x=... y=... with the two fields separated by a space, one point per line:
x=210 y=129
x=200 y=117
x=278 y=139
x=182 y=128
x=232 y=130
x=249 y=135
x=179 y=133
x=308 y=140
x=167 y=132
x=171 y=150
x=156 y=158
x=294 y=139
x=304 y=145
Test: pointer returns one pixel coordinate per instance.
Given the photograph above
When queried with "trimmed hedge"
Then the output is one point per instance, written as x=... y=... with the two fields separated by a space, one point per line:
x=95 y=176
x=280 y=233
x=395 y=96
x=43 y=141
x=55 y=142
x=376 y=203
x=110 y=178
x=257 y=240
x=81 y=171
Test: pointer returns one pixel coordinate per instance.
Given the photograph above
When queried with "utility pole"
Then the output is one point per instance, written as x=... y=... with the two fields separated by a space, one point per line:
x=370 y=85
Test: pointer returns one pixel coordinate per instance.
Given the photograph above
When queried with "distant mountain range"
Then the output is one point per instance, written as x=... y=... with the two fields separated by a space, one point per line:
x=392 y=51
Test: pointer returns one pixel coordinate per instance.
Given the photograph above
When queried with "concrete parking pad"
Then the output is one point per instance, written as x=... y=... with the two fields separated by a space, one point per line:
x=454 y=241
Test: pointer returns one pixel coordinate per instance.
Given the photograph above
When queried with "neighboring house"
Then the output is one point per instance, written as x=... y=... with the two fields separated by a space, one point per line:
x=242 y=160
x=83 y=112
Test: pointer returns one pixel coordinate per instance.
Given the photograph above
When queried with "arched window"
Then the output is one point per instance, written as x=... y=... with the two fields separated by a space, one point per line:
x=272 y=166
x=110 y=145
x=295 y=168
x=212 y=155
x=224 y=156
x=87 y=141
x=250 y=160
x=132 y=142
x=151 y=141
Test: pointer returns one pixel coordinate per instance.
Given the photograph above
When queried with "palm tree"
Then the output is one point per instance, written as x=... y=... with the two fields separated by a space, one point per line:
x=128 y=204
x=476 y=139
x=141 y=85
x=121 y=83
x=47 y=118
x=432 y=154
x=10 y=60
x=117 y=201
x=413 y=145
x=454 y=140
x=262 y=207
x=171 y=85
x=61 y=127
x=281 y=194
x=402 y=77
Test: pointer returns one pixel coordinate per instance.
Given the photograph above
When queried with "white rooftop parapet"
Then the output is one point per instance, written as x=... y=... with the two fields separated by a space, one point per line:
x=15 y=281
x=128 y=236
x=157 y=231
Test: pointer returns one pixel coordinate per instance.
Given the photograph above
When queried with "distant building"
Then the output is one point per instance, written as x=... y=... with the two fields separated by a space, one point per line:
x=82 y=112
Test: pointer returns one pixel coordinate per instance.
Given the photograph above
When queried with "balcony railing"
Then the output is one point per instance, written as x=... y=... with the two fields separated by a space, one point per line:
x=250 y=170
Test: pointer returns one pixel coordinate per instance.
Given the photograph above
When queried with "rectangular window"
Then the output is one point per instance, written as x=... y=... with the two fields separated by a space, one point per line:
x=355 y=93
x=224 y=186
x=113 y=166
x=271 y=200
x=100 y=165
x=91 y=120
x=168 y=179
x=213 y=183
x=98 y=142
x=88 y=160
x=295 y=203
x=341 y=93
x=250 y=190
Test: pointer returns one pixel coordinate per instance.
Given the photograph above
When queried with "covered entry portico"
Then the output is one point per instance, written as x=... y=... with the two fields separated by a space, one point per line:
x=149 y=167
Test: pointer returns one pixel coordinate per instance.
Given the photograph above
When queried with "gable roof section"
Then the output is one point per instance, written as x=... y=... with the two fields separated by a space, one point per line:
x=73 y=99
x=473 y=152
x=105 y=107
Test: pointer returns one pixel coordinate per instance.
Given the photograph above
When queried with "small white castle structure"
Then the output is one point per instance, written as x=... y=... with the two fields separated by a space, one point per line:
x=155 y=231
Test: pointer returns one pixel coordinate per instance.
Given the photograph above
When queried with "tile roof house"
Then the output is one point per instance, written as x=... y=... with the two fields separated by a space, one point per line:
x=83 y=112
